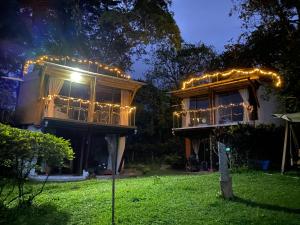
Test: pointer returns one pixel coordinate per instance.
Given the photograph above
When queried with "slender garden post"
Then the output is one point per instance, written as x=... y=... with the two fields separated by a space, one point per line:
x=225 y=179
x=112 y=144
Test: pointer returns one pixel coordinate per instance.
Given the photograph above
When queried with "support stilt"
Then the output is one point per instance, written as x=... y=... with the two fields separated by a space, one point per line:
x=284 y=146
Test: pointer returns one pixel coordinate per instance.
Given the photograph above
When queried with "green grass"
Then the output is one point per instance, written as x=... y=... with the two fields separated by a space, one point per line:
x=180 y=199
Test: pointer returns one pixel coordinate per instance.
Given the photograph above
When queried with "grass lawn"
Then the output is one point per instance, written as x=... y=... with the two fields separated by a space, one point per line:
x=178 y=199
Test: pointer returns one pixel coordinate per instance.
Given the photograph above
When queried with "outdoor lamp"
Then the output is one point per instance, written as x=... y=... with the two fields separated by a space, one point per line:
x=76 y=77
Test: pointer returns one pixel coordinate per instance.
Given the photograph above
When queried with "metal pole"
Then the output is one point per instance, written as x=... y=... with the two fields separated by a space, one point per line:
x=113 y=188
x=112 y=144
x=284 y=146
x=210 y=152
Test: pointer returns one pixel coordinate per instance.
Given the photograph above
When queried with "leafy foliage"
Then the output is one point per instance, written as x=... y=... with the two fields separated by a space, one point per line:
x=107 y=30
x=110 y=31
x=170 y=65
x=154 y=139
x=263 y=142
x=272 y=39
x=20 y=150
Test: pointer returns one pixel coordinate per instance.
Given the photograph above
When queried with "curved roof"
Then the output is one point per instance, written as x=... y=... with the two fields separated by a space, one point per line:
x=213 y=78
x=89 y=65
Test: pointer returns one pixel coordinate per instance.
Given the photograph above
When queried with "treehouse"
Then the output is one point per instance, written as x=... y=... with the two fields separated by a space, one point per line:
x=80 y=100
x=222 y=99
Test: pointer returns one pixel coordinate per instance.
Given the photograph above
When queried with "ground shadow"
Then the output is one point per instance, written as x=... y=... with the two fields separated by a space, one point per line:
x=34 y=215
x=265 y=206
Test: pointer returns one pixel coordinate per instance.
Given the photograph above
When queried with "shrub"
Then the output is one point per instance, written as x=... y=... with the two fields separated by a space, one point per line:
x=175 y=161
x=19 y=151
x=263 y=142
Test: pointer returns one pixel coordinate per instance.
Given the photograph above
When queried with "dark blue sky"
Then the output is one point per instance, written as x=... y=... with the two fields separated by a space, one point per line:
x=207 y=21
x=204 y=21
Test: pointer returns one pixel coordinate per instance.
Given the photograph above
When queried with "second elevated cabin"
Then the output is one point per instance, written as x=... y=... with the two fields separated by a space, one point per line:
x=222 y=99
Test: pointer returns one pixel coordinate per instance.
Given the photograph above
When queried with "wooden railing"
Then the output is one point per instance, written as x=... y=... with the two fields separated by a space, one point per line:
x=222 y=114
x=87 y=111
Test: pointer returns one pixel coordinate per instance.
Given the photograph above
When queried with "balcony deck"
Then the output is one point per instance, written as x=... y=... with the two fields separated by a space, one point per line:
x=200 y=130
x=74 y=109
x=80 y=126
x=222 y=115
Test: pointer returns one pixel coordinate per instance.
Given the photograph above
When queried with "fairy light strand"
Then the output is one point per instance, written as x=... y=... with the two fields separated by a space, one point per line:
x=47 y=58
x=274 y=76
x=87 y=102
x=231 y=105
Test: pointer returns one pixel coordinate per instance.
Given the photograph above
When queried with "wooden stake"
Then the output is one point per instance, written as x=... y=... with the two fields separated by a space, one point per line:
x=225 y=179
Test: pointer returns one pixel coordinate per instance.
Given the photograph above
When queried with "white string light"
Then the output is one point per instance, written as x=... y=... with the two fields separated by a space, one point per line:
x=82 y=101
x=231 y=105
x=45 y=58
x=206 y=77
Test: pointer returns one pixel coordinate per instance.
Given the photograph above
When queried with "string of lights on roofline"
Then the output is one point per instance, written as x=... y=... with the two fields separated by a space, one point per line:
x=82 y=101
x=65 y=59
x=274 y=76
x=231 y=105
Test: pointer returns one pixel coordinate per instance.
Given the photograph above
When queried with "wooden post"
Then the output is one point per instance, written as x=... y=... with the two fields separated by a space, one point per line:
x=112 y=146
x=290 y=141
x=89 y=139
x=187 y=148
x=284 y=146
x=225 y=179
x=91 y=108
x=81 y=154
x=210 y=153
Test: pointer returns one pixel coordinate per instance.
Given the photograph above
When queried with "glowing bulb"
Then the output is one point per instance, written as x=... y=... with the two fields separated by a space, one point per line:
x=76 y=77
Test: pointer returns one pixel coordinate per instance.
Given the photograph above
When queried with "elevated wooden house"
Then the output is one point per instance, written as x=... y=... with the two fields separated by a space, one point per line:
x=222 y=99
x=82 y=101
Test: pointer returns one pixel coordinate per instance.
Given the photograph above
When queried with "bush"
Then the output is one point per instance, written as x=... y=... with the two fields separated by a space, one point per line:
x=263 y=142
x=175 y=161
x=20 y=150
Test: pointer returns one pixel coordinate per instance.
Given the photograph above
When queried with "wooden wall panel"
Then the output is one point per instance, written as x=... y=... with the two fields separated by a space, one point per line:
x=29 y=107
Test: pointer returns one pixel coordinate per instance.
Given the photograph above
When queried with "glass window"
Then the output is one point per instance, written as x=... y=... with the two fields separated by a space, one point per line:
x=229 y=108
x=108 y=94
x=75 y=90
x=199 y=103
x=198 y=116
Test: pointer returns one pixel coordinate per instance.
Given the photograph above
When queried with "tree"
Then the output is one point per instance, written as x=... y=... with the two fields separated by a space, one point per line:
x=272 y=39
x=154 y=122
x=170 y=66
x=107 y=30
x=20 y=151
x=110 y=31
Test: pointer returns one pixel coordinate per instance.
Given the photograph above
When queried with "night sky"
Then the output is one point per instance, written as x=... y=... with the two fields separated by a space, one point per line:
x=204 y=21
x=207 y=21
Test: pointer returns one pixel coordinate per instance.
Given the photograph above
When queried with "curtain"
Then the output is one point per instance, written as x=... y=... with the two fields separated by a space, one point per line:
x=55 y=85
x=196 y=145
x=121 y=148
x=186 y=106
x=125 y=101
x=124 y=120
x=245 y=96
